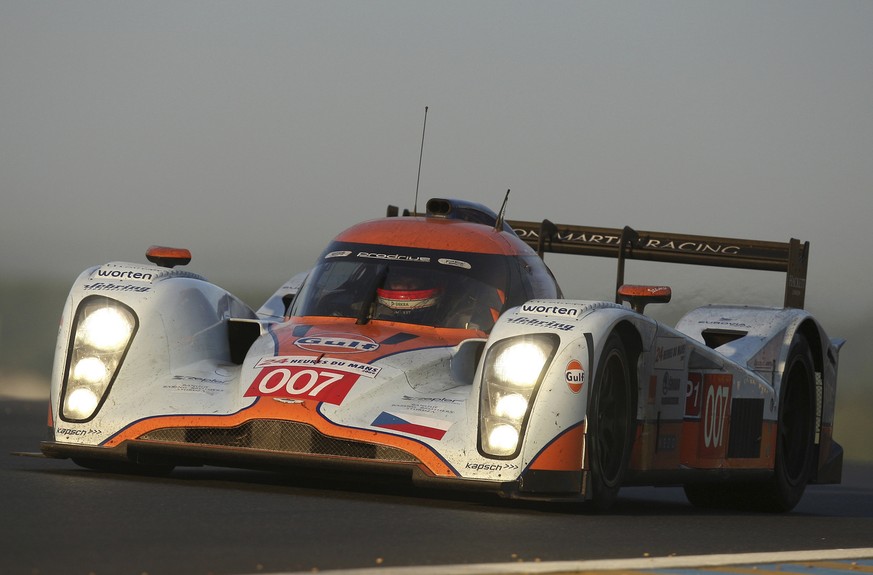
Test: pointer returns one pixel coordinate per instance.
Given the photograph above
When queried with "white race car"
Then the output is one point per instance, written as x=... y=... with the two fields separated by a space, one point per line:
x=440 y=347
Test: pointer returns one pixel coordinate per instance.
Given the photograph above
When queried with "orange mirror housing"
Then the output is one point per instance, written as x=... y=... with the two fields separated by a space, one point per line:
x=167 y=257
x=639 y=296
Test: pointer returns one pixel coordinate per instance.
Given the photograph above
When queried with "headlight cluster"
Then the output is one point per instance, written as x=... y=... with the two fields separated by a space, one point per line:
x=102 y=331
x=513 y=370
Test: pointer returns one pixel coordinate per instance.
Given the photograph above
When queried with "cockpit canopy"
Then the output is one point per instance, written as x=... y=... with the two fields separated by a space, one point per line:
x=429 y=287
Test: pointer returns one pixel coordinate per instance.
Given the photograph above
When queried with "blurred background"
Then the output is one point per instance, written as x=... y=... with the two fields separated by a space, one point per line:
x=252 y=132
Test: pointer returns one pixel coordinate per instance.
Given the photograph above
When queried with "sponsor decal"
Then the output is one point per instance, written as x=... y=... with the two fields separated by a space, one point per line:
x=338 y=254
x=533 y=322
x=69 y=432
x=394 y=257
x=670 y=353
x=490 y=466
x=190 y=387
x=446 y=400
x=441 y=407
x=583 y=238
x=766 y=359
x=726 y=321
x=550 y=310
x=699 y=247
x=122 y=274
x=455 y=263
x=100 y=286
x=198 y=379
x=574 y=375
x=304 y=378
x=413 y=424
x=337 y=343
x=355 y=367
x=669 y=390
x=605 y=239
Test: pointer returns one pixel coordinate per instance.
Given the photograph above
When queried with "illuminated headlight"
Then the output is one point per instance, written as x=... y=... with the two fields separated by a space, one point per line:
x=102 y=331
x=520 y=363
x=90 y=370
x=503 y=438
x=81 y=402
x=106 y=328
x=513 y=371
x=512 y=406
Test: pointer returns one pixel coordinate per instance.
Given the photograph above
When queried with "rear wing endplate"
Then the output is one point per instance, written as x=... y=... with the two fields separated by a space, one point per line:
x=628 y=244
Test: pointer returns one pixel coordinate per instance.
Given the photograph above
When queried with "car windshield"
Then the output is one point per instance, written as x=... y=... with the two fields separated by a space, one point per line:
x=423 y=287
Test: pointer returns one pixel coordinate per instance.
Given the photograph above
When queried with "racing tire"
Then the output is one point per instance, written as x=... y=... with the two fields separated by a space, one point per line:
x=795 y=443
x=611 y=421
x=795 y=433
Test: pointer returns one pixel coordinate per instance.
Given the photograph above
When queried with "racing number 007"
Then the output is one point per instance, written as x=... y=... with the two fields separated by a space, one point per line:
x=302 y=383
x=714 y=412
x=288 y=379
x=716 y=408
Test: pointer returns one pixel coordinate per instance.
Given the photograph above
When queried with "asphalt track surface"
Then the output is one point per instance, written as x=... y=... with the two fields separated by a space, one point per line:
x=58 y=518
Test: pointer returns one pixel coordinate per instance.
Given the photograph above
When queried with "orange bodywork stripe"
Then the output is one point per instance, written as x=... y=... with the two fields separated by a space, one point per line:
x=296 y=412
x=647 y=455
x=564 y=453
x=431 y=233
x=692 y=431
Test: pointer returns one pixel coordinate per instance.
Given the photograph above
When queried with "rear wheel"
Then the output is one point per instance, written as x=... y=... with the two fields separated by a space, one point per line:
x=610 y=428
x=795 y=442
x=795 y=436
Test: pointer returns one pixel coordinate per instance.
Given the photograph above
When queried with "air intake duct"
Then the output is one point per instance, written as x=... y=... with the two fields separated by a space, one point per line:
x=461 y=210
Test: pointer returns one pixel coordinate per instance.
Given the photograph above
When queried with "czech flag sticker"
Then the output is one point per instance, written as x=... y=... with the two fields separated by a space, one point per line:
x=574 y=375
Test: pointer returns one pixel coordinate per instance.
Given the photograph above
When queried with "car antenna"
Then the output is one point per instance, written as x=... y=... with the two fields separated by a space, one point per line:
x=420 y=155
x=500 y=215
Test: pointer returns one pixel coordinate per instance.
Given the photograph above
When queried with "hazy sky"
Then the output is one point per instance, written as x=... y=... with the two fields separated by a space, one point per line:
x=252 y=132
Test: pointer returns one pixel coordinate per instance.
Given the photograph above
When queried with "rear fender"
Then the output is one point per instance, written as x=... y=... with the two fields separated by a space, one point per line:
x=760 y=338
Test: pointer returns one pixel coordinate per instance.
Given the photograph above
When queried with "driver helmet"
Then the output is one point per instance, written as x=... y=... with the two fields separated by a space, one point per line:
x=406 y=293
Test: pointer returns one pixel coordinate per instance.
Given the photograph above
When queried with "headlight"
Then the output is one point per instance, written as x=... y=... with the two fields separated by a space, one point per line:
x=513 y=371
x=106 y=328
x=520 y=363
x=512 y=406
x=102 y=331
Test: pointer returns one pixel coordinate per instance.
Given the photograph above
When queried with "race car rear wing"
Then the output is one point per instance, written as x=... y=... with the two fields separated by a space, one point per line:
x=624 y=244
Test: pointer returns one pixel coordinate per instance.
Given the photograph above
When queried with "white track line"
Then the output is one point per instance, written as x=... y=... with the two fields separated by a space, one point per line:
x=690 y=561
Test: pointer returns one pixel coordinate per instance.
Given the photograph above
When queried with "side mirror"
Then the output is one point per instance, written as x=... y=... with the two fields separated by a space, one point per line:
x=640 y=296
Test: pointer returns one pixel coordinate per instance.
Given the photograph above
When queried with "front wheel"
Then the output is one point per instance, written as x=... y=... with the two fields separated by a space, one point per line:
x=610 y=427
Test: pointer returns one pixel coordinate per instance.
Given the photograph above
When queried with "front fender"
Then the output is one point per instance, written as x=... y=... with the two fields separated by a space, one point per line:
x=178 y=359
x=552 y=450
